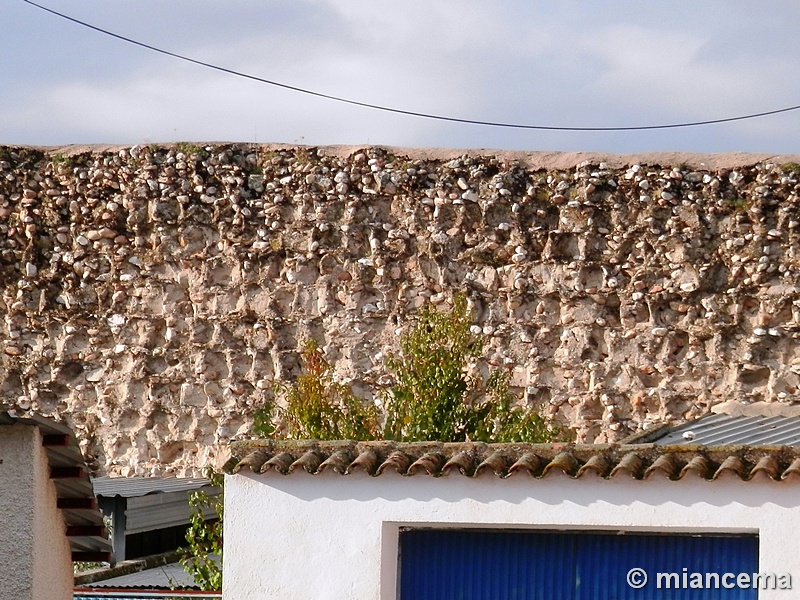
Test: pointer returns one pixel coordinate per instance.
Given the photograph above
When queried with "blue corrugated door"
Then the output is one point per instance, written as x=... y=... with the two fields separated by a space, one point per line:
x=535 y=565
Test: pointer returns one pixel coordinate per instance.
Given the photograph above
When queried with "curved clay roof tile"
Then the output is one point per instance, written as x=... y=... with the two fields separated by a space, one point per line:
x=254 y=461
x=529 y=462
x=564 y=461
x=339 y=461
x=280 y=462
x=667 y=464
x=734 y=464
x=631 y=463
x=463 y=461
x=366 y=460
x=597 y=463
x=397 y=461
x=497 y=462
x=310 y=461
x=700 y=465
x=767 y=465
x=793 y=469
x=430 y=462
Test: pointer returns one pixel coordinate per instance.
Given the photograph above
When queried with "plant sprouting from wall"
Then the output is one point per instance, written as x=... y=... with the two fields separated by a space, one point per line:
x=317 y=407
x=428 y=399
x=431 y=397
x=507 y=421
x=191 y=150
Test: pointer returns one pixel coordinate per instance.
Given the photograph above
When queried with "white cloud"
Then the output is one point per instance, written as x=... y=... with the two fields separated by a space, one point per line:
x=658 y=72
x=570 y=63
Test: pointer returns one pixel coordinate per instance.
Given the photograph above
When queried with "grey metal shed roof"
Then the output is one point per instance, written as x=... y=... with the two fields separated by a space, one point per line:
x=161 y=576
x=131 y=487
x=722 y=429
x=156 y=577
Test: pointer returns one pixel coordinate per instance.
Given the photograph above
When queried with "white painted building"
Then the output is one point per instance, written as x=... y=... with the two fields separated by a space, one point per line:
x=387 y=521
x=48 y=515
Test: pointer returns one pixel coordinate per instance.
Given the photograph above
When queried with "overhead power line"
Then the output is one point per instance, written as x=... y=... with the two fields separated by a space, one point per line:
x=399 y=111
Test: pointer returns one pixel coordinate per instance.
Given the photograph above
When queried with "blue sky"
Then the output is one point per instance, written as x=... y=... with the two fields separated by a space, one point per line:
x=565 y=63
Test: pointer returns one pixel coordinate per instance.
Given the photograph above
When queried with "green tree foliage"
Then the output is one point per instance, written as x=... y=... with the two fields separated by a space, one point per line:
x=506 y=421
x=204 y=538
x=317 y=407
x=430 y=400
x=427 y=402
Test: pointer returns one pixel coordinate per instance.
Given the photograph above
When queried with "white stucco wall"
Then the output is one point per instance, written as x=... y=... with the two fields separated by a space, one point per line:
x=329 y=536
x=52 y=556
x=34 y=552
x=16 y=511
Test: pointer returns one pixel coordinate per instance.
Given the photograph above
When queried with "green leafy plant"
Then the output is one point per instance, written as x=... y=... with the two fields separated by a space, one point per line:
x=431 y=398
x=204 y=538
x=79 y=567
x=792 y=168
x=317 y=407
x=507 y=421
x=60 y=159
x=189 y=150
x=428 y=399
x=737 y=202
x=303 y=155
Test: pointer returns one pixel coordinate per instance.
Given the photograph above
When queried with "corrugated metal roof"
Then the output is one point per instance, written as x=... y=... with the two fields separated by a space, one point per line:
x=436 y=459
x=720 y=429
x=158 y=511
x=152 y=577
x=161 y=576
x=131 y=487
x=70 y=475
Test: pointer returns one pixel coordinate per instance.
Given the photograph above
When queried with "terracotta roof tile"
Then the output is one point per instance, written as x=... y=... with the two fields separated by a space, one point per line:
x=768 y=465
x=430 y=462
x=339 y=461
x=530 y=463
x=497 y=461
x=597 y=463
x=464 y=461
x=398 y=461
x=794 y=469
x=639 y=461
x=733 y=464
x=669 y=464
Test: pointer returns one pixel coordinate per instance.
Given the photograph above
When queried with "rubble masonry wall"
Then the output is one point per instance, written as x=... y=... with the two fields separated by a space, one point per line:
x=150 y=295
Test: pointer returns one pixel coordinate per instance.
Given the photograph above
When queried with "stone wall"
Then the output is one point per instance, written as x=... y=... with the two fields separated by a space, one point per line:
x=150 y=295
